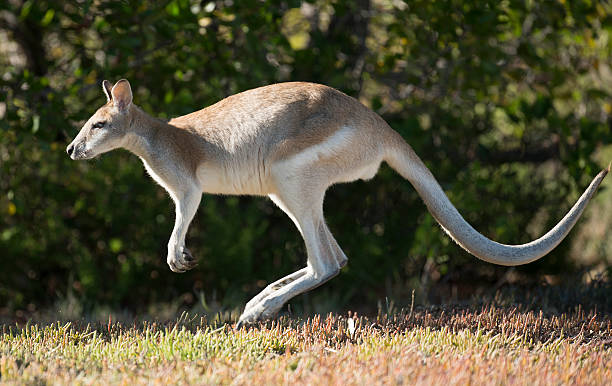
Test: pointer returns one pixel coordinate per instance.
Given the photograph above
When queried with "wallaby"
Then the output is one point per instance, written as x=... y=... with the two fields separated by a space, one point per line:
x=290 y=142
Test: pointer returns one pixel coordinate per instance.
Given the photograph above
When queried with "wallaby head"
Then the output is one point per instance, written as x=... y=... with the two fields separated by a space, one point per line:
x=107 y=128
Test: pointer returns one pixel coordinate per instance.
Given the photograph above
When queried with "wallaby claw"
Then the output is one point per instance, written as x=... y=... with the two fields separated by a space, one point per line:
x=189 y=262
x=174 y=267
x=240 y=324
x=244 y=323
x=187 y=255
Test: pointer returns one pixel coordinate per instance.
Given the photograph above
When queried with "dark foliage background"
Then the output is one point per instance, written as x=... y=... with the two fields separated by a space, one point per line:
x=507 y=102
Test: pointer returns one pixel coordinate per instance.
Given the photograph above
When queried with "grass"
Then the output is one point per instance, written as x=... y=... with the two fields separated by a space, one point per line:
x=435 y=345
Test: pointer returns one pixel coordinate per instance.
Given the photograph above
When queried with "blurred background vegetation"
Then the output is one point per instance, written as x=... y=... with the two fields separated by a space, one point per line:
x=508 y=103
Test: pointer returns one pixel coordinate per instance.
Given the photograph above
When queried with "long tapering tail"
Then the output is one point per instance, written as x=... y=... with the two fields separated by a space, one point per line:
x=404 y=160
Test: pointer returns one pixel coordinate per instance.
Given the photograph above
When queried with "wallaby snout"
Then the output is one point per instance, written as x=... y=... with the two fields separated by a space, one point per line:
x=76 y=149
x=73 y=150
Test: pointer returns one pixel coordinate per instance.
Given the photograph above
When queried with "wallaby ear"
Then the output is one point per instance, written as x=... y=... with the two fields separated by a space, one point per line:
x=121 y=94
x=106 y=87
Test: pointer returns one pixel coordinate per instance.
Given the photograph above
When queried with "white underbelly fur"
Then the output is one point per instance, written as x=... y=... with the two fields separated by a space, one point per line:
x=334 y=147
x=218 y=180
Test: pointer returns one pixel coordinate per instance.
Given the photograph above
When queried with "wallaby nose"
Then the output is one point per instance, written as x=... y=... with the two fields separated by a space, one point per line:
x=70 y=149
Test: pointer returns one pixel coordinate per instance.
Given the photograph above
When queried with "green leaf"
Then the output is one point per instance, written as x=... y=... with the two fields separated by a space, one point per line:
x=46 y=20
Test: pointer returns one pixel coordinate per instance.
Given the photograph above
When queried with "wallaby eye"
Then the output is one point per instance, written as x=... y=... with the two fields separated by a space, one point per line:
x=98 y=125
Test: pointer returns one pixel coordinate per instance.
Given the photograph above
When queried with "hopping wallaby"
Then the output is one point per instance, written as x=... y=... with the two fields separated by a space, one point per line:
x=290 y=142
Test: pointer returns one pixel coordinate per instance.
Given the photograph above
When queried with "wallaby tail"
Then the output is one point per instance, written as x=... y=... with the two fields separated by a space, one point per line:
x=404 y=160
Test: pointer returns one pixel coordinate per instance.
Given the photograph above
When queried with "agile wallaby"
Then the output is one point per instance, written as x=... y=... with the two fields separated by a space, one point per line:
x=290 y=142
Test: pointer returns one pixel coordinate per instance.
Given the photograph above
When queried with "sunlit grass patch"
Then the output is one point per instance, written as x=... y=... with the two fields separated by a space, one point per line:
x=490 y=345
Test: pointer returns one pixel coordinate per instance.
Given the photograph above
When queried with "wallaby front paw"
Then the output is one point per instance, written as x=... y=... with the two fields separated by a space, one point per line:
x=181 y=261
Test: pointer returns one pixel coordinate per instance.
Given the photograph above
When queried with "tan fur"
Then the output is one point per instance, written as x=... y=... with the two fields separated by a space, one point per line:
x=289 y=141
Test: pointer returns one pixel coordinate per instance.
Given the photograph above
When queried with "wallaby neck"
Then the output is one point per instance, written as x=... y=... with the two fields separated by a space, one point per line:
x=143 y=134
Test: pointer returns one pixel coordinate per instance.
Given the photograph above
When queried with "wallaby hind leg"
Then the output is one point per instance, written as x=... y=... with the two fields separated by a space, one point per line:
x=273 y=287
x=325 y=258
x=338 y=254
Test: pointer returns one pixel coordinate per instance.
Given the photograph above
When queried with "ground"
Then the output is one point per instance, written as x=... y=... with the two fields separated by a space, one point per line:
x=483 y=344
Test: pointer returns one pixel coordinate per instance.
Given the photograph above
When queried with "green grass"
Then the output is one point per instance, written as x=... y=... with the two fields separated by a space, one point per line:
x=435 y=345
